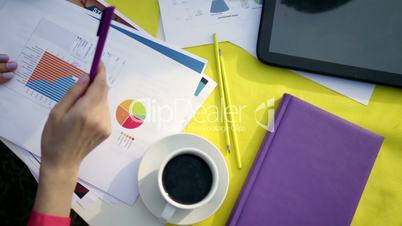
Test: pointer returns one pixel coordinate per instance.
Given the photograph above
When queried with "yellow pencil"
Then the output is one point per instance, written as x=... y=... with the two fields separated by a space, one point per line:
x=229 y=103
x=222 y=93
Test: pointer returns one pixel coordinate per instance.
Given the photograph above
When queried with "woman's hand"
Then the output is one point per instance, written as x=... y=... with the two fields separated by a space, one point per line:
x=75 y=126
x=6 y=67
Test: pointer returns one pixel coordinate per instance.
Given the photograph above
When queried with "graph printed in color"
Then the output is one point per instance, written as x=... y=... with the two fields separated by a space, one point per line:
x=219 y=6
x=52 y=60
x=210 y=12
x=131 y=114
x=53 y=77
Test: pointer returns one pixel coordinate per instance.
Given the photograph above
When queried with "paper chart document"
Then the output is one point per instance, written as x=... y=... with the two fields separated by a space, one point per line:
x=152 y=96
x=93 y=9
x=189 y=23
x=52 y=61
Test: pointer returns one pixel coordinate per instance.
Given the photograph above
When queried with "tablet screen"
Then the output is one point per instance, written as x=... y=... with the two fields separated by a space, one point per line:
x=359 y=33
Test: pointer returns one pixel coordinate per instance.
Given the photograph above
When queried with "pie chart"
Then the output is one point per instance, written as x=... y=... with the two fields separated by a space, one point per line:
x=131 y=114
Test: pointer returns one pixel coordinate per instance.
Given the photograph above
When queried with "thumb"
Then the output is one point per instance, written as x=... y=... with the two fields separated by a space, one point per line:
x=73 y=94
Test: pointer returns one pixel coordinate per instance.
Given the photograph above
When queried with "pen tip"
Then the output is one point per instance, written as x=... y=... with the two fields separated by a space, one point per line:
x=228 y=147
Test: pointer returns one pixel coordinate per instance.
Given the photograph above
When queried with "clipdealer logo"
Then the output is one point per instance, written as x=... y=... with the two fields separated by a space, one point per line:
x=268 y=107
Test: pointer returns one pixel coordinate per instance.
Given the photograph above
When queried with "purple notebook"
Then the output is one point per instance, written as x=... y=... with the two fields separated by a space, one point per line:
x=310 y=172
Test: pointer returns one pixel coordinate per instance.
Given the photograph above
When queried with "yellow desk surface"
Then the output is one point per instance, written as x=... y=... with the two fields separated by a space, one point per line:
x=253 y=83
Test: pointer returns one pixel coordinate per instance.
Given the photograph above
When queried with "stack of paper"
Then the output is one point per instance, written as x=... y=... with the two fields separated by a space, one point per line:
x=158 y=83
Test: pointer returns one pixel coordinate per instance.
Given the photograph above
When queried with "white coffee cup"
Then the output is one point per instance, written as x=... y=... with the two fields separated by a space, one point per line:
x=172 y=206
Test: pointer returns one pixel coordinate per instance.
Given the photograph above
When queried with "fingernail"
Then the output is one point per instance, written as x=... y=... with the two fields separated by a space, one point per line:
x=4 y=58
x=11 y=66
x=8 y=75
x=84 y=79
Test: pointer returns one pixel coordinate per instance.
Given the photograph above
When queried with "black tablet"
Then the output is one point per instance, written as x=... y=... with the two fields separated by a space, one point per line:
x=359 y=39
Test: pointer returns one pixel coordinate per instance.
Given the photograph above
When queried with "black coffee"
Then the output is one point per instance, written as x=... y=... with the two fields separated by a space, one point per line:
x=187 y=179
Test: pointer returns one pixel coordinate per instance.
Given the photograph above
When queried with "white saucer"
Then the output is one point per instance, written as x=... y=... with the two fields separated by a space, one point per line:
x=148 y=177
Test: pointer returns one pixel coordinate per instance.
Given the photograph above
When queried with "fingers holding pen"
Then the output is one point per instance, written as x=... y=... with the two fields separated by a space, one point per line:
x=72 y=95
x=83 y=94
x=97 y=92
x=92 y=109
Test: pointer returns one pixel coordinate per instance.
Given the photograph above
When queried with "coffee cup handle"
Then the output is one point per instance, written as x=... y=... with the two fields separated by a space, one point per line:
x=168 y=212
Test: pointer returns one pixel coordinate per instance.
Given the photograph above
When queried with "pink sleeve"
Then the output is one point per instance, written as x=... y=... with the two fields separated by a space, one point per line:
x=40 y=219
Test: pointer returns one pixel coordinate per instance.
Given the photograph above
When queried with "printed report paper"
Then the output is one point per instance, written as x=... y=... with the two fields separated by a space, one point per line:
x=152 y=96
x=189 y=23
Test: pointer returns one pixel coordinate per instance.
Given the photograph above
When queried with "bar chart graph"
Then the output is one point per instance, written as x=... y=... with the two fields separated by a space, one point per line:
x=53 y=77
x=52 y=61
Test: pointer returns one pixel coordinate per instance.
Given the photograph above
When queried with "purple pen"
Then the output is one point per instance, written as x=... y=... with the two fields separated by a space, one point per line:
x=103 y=30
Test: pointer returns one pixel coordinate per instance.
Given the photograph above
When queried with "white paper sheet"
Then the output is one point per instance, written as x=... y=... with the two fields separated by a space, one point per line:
x=188 y=59
x=355 y=90
x=93 y=6
x=164 y=87
x=192 y=23
x=126 y=19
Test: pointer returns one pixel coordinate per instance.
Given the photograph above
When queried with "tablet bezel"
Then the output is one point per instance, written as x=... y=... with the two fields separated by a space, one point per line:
x=315 y=66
